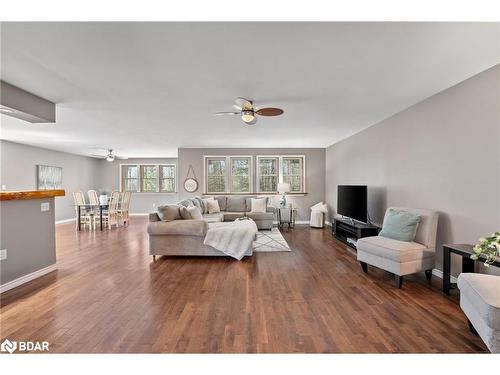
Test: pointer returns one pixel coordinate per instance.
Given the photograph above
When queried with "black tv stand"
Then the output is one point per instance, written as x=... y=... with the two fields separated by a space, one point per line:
x=348 y=230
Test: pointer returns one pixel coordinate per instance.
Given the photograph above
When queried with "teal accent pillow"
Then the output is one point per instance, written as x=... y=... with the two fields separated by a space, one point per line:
x=400 y=225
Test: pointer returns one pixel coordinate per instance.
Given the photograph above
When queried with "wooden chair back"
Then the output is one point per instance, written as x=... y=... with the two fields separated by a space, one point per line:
x=114 y=202
x=126 y=196
x=93 y=197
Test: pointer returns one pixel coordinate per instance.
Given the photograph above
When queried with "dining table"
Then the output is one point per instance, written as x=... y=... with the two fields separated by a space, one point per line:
x=102 y=207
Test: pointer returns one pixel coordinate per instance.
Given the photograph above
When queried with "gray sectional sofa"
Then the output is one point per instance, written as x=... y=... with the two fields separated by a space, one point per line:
x=233 y=207
x=185 y=237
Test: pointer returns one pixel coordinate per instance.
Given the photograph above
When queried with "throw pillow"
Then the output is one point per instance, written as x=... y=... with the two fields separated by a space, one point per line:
x=258 y=205
x=185 y=215
x=169 y=212
x=195 y=213
x=400 y=225
x=213 y=206
x=205 y=205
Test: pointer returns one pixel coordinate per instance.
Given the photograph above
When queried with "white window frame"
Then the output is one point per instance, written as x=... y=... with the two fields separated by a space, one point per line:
x=257 y=168
x=250 y=174
x=122 y=179
x=303 y=164
x=280 y=171
x=228 y=175
x=158 y=178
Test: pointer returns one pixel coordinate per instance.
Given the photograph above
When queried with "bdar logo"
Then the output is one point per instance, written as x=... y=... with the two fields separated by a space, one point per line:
x=8 y=346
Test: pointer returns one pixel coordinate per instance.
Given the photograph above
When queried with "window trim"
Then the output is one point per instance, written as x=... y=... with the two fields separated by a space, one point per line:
x=161 y=177
x=257 y=168
x=303 y=162
x=158 y=179
x=228 y=174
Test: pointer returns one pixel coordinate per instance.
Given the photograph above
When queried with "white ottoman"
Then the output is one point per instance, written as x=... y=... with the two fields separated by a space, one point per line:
x=480 y=301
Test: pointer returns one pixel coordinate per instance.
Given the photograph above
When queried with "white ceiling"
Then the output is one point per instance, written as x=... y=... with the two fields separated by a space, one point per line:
x=146 y=89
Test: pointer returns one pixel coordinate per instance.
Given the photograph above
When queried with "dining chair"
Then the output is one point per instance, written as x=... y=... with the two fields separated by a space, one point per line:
x=93 y=197
x=112 y=215
x=124 y=206
x=85 y=214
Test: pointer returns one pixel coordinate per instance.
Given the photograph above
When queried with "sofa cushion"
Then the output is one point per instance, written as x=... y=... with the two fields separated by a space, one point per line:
x=483 y=291
x=258 y=216
x=178 y=227
x=398 y=251
x=214 y=218
x=197 y=202
x=400 y=225
x=257 y=204
x=222 y=201
x=195 y=213
x=185 y=215
x=213 y=206
x=169 y=212
x=204 y=203
x=232 y=216
x=236 y=204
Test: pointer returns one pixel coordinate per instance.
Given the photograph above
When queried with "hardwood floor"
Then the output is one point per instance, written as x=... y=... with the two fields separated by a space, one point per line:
x=108 y=296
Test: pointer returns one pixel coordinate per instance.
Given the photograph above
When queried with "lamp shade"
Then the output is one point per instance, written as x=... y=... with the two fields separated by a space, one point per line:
x=284 y=187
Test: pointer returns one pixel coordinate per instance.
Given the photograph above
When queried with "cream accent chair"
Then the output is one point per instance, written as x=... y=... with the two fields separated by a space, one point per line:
x=480 y=301
x=400 y=257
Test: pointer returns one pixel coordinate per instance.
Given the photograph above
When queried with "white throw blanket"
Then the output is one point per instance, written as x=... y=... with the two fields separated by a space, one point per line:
x=232 y=238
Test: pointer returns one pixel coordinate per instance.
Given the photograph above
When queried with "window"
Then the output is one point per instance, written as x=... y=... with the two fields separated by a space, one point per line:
x=148 y=178
x=216 y=175
x=234 y=174
x=293 y=173
x=130 y=180
x=267 y=174
x=240 y=174
x=167 y=178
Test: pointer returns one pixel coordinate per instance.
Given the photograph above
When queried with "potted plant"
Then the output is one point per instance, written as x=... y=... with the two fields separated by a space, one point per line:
x=488 y=248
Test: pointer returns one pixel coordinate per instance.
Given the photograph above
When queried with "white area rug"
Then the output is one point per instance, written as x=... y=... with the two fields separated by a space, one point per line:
x=270 y=240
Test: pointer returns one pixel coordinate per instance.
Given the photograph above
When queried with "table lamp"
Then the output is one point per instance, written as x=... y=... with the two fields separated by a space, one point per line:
x=283 y=188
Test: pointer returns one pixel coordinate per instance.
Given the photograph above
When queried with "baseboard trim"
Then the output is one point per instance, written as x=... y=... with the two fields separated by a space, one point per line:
x=439 y=273
x=302 y=222
x=65 y=221
x=24 y=279
x=138 y=214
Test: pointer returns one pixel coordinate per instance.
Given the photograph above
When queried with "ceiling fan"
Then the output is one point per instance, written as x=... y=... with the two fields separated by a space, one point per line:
x=249 y=113
x=109 y=156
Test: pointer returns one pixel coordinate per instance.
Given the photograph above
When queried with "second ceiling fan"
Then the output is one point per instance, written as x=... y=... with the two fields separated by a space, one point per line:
x=249 y=113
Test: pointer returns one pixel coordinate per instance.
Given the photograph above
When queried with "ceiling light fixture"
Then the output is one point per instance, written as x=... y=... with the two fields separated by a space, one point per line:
x=110 y=158
x=247 y=116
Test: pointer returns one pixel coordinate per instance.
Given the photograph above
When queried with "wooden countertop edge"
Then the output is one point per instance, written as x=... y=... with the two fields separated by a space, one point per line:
x=33 y=194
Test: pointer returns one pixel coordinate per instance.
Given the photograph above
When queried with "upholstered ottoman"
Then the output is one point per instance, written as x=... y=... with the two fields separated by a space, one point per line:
x=480 y=301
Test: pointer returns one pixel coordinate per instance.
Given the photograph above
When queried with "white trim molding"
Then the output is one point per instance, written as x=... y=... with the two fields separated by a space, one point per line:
x=439 y=274
x=24 y=279
x=65 y=221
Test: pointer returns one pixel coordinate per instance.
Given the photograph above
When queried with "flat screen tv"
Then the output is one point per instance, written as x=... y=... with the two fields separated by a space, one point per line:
x=351 y=201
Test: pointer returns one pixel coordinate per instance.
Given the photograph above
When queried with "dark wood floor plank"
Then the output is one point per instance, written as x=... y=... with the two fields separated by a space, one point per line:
x=108 y=296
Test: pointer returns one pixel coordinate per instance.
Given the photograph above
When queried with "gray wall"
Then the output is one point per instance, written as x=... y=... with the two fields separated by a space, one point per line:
x=18 y=172
x=140 y=203
x=315 y=169
x=442 y=153
x=28 y=234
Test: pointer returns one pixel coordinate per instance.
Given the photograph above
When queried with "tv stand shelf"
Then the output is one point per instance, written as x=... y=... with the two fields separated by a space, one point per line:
x=344 y=229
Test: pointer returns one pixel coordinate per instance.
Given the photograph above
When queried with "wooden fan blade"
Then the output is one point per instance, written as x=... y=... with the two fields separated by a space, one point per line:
x=270 y=111
x=121 y=157
x=98 y=156
x=227 y=113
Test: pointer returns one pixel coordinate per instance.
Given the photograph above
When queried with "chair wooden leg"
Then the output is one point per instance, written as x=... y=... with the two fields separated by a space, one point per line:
x=154 y=258
x=399 y=281
x=428 y=274
x=364 y=267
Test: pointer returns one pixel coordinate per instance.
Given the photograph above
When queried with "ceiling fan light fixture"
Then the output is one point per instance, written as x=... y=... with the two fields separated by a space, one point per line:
x=110 y=158
x=247 y=116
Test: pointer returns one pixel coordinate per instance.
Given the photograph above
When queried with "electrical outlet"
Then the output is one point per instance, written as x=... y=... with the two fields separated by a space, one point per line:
x=45 y=206
x=3 y=254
